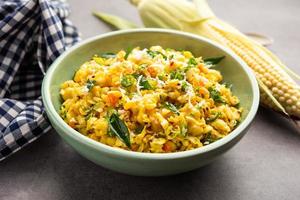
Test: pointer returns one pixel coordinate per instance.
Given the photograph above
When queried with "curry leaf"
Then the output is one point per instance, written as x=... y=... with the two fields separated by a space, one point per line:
x=119 y=128
x=128 y=51
x=214 y=60
x=108 y=55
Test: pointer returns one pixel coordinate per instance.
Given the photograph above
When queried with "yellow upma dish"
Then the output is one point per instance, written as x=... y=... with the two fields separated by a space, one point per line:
x=150 y=100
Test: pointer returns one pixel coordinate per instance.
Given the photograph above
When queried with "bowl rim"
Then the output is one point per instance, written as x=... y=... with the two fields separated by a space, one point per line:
x=65 y=129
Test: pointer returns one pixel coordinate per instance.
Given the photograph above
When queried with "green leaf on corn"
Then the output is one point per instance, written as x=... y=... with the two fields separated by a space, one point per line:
x=115 y=21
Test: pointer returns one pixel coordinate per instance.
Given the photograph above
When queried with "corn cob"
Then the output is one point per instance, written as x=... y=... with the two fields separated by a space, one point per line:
x=278 y=90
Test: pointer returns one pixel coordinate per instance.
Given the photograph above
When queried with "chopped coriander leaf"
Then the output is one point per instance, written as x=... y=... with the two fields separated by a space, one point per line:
x=237 y=122
x=151 y=53
x=213 y=118
x=89 y=114
x=171 y=107
x=187 y=68
x=127 y=81
x=192 y=61
x=128 y=51
x=142 y=66
x=214 y=60
x=136 y=75
x=90 y=84
x=199 y=105
x=144 y=84
x=208 y=139
x=215 y=95
x=160 y=77
x=184 y=86
x=155 y=53
x=197 y=89
x=183 y=130
x=176 y=75
x=171 y=57
x=108 y=55
x=163 y=55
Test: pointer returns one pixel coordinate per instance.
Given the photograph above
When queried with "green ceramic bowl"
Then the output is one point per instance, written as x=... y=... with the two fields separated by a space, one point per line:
x=233 y=69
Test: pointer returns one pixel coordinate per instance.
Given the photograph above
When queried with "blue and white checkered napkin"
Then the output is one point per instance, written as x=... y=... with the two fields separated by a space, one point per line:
x=33 y=33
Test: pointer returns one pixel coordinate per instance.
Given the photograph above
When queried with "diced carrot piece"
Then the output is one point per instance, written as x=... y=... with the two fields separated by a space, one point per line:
x=202 y=68
x=169 y=146
x=113 y=97
x=152 y=71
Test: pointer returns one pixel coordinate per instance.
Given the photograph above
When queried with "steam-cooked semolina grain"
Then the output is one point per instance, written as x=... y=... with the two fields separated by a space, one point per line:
x=150 y=100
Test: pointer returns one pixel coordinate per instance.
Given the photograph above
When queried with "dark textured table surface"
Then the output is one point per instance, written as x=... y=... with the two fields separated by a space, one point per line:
x=264 y=165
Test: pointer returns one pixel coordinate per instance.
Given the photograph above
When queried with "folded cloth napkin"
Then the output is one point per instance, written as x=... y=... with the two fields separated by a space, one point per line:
x=33 y=33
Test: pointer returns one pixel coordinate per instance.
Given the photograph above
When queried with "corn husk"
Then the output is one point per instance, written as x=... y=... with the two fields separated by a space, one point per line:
x=115 y=21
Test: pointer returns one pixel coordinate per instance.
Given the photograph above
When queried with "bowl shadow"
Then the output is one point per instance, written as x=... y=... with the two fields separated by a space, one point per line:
x=99 y=183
